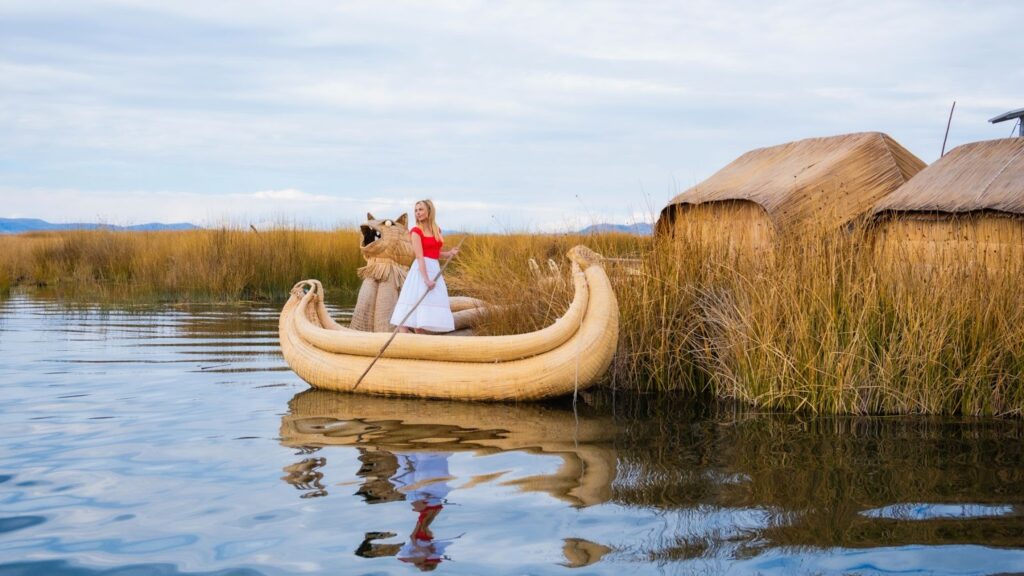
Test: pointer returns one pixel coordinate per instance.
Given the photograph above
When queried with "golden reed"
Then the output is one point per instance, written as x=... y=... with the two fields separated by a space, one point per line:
x=215 y=264
x=820 y=323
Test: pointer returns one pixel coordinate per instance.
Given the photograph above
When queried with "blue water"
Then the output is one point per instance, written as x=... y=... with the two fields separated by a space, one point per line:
x=174 y=440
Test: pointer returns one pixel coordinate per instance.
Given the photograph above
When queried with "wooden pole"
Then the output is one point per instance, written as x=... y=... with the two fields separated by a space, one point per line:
x=402 y=321
x=948 y=122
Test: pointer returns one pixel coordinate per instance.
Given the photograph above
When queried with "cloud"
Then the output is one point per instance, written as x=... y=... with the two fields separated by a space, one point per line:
x=136 y=206
x=290 y=194
x=503 y=112
x=370 y=95
x=582 y=84
x=287 y=207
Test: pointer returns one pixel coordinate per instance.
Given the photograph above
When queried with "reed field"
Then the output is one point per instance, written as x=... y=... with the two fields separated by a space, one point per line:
x=218 y=264
x=820 y=323
x=5 y=283
x=826 y=325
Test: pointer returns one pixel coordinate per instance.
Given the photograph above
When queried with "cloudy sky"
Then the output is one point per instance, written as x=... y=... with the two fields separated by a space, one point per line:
x=516 y=115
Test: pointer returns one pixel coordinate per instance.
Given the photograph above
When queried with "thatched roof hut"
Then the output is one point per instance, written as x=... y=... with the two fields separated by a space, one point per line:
x=824 y=181
x=968 y=207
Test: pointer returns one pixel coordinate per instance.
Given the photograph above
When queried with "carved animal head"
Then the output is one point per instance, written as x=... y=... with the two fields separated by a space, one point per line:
x=385 y=238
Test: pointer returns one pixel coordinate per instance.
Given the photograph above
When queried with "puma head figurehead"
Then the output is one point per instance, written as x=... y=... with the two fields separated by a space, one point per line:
x=388 y=253
x=386 y=239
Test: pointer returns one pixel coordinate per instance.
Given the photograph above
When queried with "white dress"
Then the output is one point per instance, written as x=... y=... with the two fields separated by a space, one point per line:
x=434 y=313
x=423 y=476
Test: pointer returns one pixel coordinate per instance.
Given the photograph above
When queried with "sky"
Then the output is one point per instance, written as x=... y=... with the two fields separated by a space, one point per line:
x=512 y=116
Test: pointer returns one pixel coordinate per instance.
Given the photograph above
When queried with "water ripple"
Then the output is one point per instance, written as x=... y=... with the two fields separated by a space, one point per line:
x=14 y=523
x=175 y=440
x=913 y=511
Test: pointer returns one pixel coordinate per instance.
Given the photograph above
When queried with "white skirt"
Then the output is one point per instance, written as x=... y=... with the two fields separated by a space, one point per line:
x=434 y=313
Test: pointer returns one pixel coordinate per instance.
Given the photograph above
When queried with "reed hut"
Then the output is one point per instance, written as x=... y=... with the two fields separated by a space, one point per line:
x=968 y=207
x=825 y=181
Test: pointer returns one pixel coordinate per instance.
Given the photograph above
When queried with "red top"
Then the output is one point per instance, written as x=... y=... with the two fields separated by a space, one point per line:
x=431 y=246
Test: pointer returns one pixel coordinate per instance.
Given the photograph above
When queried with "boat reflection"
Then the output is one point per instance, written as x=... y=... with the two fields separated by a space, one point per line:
x=390 y=432
x=404 y=446
x=306 y=476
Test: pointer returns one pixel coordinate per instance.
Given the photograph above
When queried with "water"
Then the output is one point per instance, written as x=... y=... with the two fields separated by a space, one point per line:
x=175 y=440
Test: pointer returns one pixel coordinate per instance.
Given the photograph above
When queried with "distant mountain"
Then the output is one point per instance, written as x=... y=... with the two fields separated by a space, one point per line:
x=642 y=228
x=17 y=225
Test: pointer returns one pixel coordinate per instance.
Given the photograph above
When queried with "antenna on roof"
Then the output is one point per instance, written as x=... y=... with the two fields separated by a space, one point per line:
x=1017 y=114
x=948 y=122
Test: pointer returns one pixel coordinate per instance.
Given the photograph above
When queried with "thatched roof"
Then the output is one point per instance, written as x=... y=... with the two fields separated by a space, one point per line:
x=832 y=179
x=985 y=175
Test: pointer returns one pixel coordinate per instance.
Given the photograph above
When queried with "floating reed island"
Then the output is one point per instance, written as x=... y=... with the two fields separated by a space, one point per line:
x=822 y=323
x=966 y=209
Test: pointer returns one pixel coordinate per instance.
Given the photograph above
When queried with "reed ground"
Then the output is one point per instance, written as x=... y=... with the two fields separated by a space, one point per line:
x=819 y=324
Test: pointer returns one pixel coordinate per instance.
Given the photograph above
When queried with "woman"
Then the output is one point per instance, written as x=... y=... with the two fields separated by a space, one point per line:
x=433 y=314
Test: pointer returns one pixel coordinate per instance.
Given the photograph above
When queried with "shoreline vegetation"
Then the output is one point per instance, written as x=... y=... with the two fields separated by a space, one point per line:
x=822 y=323
x=222 y=265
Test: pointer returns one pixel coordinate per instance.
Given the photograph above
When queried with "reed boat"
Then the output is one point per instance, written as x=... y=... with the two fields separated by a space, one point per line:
x=570 y=354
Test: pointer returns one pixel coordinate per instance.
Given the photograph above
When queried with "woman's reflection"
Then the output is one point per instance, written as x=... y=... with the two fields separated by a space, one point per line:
x=422 y=477
x=423 y=550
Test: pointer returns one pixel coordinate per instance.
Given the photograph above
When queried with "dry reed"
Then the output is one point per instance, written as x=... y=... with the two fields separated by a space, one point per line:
x=5 y=283
x=496 y=268
x=818 y=324
x=829 y=328
x=216 y=264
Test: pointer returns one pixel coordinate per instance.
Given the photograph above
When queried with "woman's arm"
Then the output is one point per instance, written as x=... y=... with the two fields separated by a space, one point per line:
x=450 y=253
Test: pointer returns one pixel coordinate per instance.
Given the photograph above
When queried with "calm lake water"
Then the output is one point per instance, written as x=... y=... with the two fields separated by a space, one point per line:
x=175 y=440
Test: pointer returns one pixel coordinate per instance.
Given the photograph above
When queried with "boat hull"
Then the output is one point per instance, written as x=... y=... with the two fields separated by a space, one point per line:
x=543 y=368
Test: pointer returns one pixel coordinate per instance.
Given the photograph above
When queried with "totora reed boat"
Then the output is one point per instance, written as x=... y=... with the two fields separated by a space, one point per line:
x=572 y=353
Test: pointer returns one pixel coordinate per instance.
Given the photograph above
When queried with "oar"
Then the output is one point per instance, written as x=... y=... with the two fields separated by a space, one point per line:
x=402 y=321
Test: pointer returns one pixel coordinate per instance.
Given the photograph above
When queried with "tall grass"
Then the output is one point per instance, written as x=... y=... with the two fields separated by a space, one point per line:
x=496 y=268
x=823 y=324
x=829 y=327
x=218 y=264
x=819 y=323
x=5 y=283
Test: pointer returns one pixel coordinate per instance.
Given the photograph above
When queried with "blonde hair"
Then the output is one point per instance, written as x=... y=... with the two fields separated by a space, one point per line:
x=431 y=224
